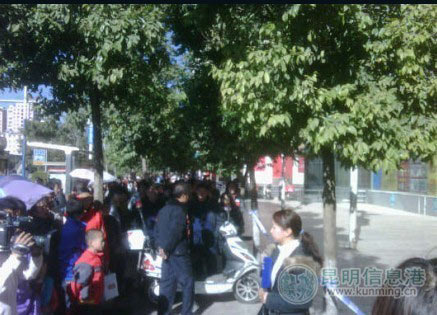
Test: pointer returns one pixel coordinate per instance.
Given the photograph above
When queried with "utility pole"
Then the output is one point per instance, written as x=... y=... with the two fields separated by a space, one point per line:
x=23 y=148
x=90 y=139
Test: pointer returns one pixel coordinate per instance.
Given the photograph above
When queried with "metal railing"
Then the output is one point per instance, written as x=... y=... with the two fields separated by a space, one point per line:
x=415 y=203
x=411 y=202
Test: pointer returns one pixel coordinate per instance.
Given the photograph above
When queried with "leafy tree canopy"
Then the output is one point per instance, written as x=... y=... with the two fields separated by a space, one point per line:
x=348 y=78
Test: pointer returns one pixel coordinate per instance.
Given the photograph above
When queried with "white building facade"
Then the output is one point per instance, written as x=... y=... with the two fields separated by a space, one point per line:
x=15 y=116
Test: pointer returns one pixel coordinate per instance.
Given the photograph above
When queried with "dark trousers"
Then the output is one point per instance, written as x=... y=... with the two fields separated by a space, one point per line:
x=205 y=262
x=176 y=269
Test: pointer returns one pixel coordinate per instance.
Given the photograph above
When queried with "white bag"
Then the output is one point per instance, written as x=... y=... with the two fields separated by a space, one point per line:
x=134 y=239
x=111 y=287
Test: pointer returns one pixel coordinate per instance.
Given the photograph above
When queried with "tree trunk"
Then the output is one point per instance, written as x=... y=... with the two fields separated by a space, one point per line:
x=353 y=208
x=329 y=219
x=253 y=190
x=97 y=147
x=143 y=166
x=246 y=185
x=283 y=160
x=254 y=209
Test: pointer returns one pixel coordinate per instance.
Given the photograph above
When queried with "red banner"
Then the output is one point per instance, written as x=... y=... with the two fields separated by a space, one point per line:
x=301 y=165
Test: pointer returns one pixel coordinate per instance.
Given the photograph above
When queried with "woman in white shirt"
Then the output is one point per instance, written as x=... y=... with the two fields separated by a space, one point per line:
x=296 y=265
x=15 y=267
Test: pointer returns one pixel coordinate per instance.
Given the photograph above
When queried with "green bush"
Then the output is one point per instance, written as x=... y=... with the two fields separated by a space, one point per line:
x=39 y=174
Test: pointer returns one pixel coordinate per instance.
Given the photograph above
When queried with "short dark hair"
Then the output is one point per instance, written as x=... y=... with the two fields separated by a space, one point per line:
x=143 y=184
x=74 y=207
x=92 y=235
x=82 y=188
x=119 y=190
x=181 y=189
x=203 y=185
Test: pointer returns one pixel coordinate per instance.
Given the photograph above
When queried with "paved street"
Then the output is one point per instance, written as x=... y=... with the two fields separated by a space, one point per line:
x=386 y=238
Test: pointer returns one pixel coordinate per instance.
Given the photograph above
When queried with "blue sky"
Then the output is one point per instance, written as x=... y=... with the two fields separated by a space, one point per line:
x=9 y=94
x=19 y=95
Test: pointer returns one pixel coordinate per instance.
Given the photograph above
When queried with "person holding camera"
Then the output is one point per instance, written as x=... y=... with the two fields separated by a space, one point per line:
x=15 y=263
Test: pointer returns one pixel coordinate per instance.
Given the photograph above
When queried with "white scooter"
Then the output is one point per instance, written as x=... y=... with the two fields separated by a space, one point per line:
x=240 y=274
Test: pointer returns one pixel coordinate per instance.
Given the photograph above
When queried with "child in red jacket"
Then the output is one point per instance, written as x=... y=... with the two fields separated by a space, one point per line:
x=87 y=286
x=93 y=217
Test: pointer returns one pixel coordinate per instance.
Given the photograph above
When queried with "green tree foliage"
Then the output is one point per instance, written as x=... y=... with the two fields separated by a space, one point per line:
x=351 y=80
x=70 y=130
x=225 y=143
x=158 y=129
x=90 y=55
x=356 y=80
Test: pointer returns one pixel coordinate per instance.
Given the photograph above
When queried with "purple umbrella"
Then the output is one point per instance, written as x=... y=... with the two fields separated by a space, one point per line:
x=23 y=189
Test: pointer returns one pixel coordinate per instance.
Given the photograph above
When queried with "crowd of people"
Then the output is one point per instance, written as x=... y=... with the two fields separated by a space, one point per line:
x=82 y=242
x=85 y=241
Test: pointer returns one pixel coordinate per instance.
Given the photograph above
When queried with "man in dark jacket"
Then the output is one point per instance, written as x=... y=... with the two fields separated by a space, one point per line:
x=206 y=220
x=172 y=236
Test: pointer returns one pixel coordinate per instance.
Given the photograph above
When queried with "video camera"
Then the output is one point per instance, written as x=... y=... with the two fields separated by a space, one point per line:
x=8 y=226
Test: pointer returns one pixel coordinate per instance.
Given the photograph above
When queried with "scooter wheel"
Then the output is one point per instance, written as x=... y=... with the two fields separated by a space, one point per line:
x=246 y=289
x=153 y=292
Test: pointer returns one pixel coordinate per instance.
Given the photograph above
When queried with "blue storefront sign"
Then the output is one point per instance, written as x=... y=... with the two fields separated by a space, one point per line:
x=39 y=156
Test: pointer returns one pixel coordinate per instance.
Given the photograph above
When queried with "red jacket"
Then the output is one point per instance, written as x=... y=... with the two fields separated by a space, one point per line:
x=94 y=221
x=87 y=285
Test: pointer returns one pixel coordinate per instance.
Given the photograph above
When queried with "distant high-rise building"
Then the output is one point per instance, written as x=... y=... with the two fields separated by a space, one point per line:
x=16 y=114
x=3 y=114
x=13 y=143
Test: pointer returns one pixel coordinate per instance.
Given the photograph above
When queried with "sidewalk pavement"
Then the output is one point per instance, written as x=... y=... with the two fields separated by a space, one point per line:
x=386 y=237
